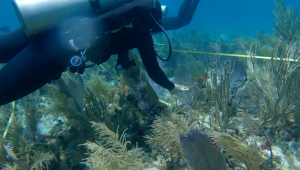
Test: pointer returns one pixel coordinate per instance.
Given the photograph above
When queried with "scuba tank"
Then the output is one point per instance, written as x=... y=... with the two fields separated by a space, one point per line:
x=164 y=10
x=38 y=16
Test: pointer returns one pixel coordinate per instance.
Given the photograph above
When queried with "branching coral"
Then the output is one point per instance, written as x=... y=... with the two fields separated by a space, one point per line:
x=110 y=151
x=287 y=21
x=166 y=134
x=272 y=87
x=221 y=95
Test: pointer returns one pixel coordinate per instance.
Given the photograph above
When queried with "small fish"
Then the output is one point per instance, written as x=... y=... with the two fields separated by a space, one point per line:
x=10 y=153
x=4 y=29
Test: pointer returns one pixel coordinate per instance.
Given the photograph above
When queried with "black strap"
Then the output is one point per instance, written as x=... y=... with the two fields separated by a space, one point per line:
x=123 y=61
x=96 y=8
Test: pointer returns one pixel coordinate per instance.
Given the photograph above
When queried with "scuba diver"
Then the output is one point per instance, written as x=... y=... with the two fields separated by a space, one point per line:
x=35 y=58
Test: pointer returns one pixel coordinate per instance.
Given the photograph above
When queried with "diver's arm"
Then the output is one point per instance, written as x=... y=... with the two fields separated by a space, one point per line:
x=184 y=17
x=148 y=55
x=11 y=44
x=149 y=59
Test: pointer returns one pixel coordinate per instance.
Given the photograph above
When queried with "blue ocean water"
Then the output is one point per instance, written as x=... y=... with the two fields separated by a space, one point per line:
x=235 y=16
x=242 y=17
x=7 y=15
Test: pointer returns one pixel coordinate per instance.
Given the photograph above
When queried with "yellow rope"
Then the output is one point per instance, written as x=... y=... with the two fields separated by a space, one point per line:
x=232 y=55
x=110 y=72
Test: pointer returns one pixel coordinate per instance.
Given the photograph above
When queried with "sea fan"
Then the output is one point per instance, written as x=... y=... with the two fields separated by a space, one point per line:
x=73 y=90
x=199 y=152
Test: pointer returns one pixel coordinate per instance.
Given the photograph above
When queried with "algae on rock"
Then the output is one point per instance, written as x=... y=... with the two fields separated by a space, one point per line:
x=137 y=80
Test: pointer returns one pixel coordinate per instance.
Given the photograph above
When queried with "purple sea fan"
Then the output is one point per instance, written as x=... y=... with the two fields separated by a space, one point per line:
x=199 y=152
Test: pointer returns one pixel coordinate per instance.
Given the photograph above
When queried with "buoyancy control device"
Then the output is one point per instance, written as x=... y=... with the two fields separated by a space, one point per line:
x=38 y=16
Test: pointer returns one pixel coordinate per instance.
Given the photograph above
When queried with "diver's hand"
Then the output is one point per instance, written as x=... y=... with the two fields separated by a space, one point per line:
x=177 y=89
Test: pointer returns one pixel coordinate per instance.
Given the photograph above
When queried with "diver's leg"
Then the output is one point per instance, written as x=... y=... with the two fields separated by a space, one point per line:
x=183 y=8
x=172 y=23
x=11 y=44
x=191 y=12
x=33 y=67
x=184 y=17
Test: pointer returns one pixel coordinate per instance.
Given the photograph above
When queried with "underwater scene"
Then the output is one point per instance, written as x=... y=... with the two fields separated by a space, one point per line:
x=167 y=85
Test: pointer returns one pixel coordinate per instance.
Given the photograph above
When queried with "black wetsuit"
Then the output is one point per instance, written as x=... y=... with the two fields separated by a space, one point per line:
x=140 y=37
x=33 y=62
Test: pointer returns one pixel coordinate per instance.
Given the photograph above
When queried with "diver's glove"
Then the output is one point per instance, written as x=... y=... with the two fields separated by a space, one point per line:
x=176 y=89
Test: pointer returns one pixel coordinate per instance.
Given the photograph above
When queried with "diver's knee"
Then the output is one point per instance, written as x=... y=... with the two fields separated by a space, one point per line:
x=187 y=22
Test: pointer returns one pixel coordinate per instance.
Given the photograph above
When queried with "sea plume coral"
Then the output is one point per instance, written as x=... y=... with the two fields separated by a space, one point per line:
x=167 y=132
x=110 y=151
x=239 y=152
x=41 y=160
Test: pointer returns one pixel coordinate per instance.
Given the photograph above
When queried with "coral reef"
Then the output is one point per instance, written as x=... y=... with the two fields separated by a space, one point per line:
x=23 y=137
x=248 y=108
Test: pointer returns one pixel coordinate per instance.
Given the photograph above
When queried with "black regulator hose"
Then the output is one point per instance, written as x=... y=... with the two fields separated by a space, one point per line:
x=170 y=45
